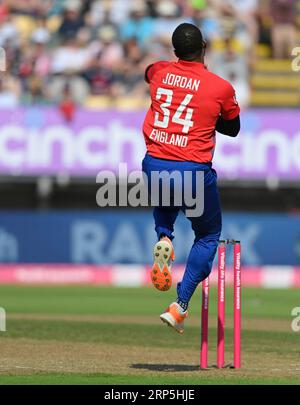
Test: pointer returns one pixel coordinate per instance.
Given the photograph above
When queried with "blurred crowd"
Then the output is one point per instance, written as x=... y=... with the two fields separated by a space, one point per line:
x=91 y=52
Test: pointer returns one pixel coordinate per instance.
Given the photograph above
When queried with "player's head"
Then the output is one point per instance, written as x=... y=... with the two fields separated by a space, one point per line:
x=188 y=42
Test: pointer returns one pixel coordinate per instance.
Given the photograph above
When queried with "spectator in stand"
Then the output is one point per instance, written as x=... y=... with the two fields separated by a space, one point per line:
x=205 y=18
x=72 y=19
x=284 y=33
x=67 y=106
x=9 y=34
x=128 y=79
x=34 y=8
x=73 y=54
x=40 y=39
x=168 y=18
x=246 y=12
x=117 y=11
x=243 y=15
x=10 y=92
x=139 y=26
x=161 y=50
x=41 y=33
x=232 y=66
x=111 y=50
x=37 y=91
x=4 y=12
x=106 y=23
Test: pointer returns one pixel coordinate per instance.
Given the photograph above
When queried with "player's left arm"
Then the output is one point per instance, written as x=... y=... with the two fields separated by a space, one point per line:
x=229 y=120
x=229 y=127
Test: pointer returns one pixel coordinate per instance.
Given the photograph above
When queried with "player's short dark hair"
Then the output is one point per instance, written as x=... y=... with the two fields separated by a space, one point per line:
x=187 y=41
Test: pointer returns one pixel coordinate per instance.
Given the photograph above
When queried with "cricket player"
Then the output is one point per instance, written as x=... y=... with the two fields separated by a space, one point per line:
x=189 y=104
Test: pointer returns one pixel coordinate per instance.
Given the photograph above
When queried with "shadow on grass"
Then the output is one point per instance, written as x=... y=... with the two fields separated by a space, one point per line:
x=175 y=367
x=165 y=367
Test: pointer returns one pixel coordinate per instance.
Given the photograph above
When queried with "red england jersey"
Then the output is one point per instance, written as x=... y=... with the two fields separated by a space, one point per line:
x=187 y=100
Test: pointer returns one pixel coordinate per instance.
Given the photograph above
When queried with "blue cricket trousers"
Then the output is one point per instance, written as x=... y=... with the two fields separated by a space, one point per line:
x=207 y=227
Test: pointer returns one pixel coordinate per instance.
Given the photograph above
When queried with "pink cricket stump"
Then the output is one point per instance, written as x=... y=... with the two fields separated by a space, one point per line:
x=237 y=306
x=221 y=304
x=204 y=323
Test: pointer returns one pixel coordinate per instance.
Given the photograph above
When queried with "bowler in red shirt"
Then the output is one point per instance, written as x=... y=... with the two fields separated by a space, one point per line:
x=188 y=105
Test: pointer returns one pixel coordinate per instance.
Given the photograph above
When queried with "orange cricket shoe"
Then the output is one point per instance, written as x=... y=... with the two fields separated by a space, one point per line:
x=163 y=254
x=174 y=317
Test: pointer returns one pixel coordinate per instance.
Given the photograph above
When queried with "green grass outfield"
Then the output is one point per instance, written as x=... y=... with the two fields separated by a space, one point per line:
x=98 y=335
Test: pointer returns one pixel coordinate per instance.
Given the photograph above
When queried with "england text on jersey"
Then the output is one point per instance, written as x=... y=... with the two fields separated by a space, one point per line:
x=181 y=81
x=169 y=139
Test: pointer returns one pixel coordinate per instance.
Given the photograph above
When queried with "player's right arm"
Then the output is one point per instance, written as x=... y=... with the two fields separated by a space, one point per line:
x=154 y=68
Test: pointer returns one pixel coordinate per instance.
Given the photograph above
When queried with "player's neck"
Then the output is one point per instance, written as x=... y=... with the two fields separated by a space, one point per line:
x=197 y=60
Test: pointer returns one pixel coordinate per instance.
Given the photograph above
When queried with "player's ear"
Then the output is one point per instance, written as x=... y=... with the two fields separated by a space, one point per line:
x=204 y=45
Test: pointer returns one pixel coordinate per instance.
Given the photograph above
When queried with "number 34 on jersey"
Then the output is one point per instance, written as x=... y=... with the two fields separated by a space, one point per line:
x=178 y=117
x=182 y=116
